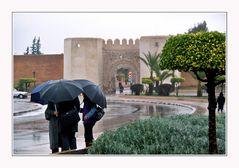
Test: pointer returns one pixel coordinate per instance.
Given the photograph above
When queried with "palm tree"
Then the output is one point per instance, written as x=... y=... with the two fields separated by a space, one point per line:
x=150 y=61
x=161 y=75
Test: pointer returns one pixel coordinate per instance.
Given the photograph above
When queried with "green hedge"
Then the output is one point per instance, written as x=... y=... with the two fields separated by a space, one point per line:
x=183 y=134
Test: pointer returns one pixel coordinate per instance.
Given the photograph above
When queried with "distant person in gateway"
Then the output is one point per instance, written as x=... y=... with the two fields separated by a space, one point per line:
x=220 y=102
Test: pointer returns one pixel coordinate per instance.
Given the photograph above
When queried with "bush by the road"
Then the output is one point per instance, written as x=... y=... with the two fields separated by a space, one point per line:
x=183 y=134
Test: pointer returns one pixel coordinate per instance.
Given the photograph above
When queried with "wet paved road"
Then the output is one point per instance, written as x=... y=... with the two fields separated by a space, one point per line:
x=31 y=129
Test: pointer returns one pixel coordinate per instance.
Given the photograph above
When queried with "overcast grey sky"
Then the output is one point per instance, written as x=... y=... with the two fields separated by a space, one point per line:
x=53 y=28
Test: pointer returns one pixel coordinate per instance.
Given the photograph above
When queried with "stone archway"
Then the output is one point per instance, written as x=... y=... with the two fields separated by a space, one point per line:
x=109 y=83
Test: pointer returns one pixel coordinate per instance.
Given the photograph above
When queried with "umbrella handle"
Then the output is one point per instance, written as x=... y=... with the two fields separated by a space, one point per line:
x=57 y=113
x=55 y=107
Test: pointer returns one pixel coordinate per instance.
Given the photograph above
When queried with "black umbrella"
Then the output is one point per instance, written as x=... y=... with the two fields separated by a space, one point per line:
x=92 y=91
x=35 y=94
x=61 y=90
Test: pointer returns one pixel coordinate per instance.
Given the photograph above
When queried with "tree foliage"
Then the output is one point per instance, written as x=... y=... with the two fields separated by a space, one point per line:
x=150 y=61
x=147 y=81
x=177 y=81
x=202 y=51
x=24 y=83
x=27 y=51
x=35 y=47
x=38 y=47
x=201 y=27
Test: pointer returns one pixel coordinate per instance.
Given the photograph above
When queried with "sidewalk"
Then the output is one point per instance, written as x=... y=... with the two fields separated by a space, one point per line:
x=21 y=106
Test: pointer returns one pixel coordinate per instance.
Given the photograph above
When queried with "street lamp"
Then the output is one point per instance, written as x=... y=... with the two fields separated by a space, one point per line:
x=34 y=76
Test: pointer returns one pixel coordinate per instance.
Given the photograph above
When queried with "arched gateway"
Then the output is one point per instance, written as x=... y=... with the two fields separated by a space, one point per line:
x=108 y=63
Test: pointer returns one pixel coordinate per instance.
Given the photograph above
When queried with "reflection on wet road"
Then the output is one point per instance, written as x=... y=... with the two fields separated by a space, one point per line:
x=31 y=129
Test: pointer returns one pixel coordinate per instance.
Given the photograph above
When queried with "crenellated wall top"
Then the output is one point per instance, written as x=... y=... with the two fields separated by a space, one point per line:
x=123 y=44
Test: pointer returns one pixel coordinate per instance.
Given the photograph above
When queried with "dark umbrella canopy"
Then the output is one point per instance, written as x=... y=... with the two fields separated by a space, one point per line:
x=35 y=94
x=61 y=90
x=93 y=91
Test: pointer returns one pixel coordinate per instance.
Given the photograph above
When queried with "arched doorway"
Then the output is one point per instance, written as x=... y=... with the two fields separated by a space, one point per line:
x=118 y=72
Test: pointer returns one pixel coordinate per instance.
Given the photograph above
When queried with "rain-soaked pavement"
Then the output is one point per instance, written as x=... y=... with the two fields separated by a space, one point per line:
x=30 y=133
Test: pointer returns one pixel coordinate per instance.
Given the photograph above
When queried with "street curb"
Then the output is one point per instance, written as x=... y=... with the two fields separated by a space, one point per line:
x=156 y=102
x=17 y=113
x=29 y=109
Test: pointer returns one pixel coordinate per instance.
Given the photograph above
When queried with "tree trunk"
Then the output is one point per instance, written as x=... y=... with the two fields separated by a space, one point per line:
x=151 y=87
x=212 y=116
x=157 y=84
x=176 y=91
x=199 y=91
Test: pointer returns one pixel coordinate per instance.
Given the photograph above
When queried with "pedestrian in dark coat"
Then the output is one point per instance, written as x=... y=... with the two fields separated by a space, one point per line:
x=88 y=110
x=220 y=102
x=121 y=88
x=68 y=139
x=51 y=115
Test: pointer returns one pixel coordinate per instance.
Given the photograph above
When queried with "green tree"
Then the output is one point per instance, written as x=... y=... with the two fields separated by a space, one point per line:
x=177 y=81
x=38 y=46
x=202 y=51
x=161 y=75
x=27 y=51
x=147 y=81
x=33 y=47
x=150 y=61
x=201 y=27
x=24 y=83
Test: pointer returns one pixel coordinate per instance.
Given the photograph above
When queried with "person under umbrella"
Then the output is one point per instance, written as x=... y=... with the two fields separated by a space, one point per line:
x=51 y=115
x=67 y=134
x=64 y=94
x=88 y=110
x=93 y=92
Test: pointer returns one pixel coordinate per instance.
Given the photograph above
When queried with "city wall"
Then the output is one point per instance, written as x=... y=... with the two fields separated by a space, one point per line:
x=94 y=59
x=43 y=67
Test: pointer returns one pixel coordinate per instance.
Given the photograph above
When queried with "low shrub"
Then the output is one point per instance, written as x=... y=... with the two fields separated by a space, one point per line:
x=183 y=134
x=164 y=89
x=137 y=88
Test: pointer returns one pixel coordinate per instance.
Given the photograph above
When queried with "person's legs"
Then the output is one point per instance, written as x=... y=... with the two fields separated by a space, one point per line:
x=88 y=134
x=65 y=141
x=55 y=150
x=72 y=140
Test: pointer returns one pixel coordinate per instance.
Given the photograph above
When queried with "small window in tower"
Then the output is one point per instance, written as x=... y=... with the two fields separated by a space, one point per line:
x=156 y=44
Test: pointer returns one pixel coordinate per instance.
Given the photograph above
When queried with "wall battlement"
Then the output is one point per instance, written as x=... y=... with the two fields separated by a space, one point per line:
x=124 y=44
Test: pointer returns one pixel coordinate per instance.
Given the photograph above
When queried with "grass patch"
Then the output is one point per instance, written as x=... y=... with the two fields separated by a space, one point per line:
x=183 y=134
x=188 y=88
